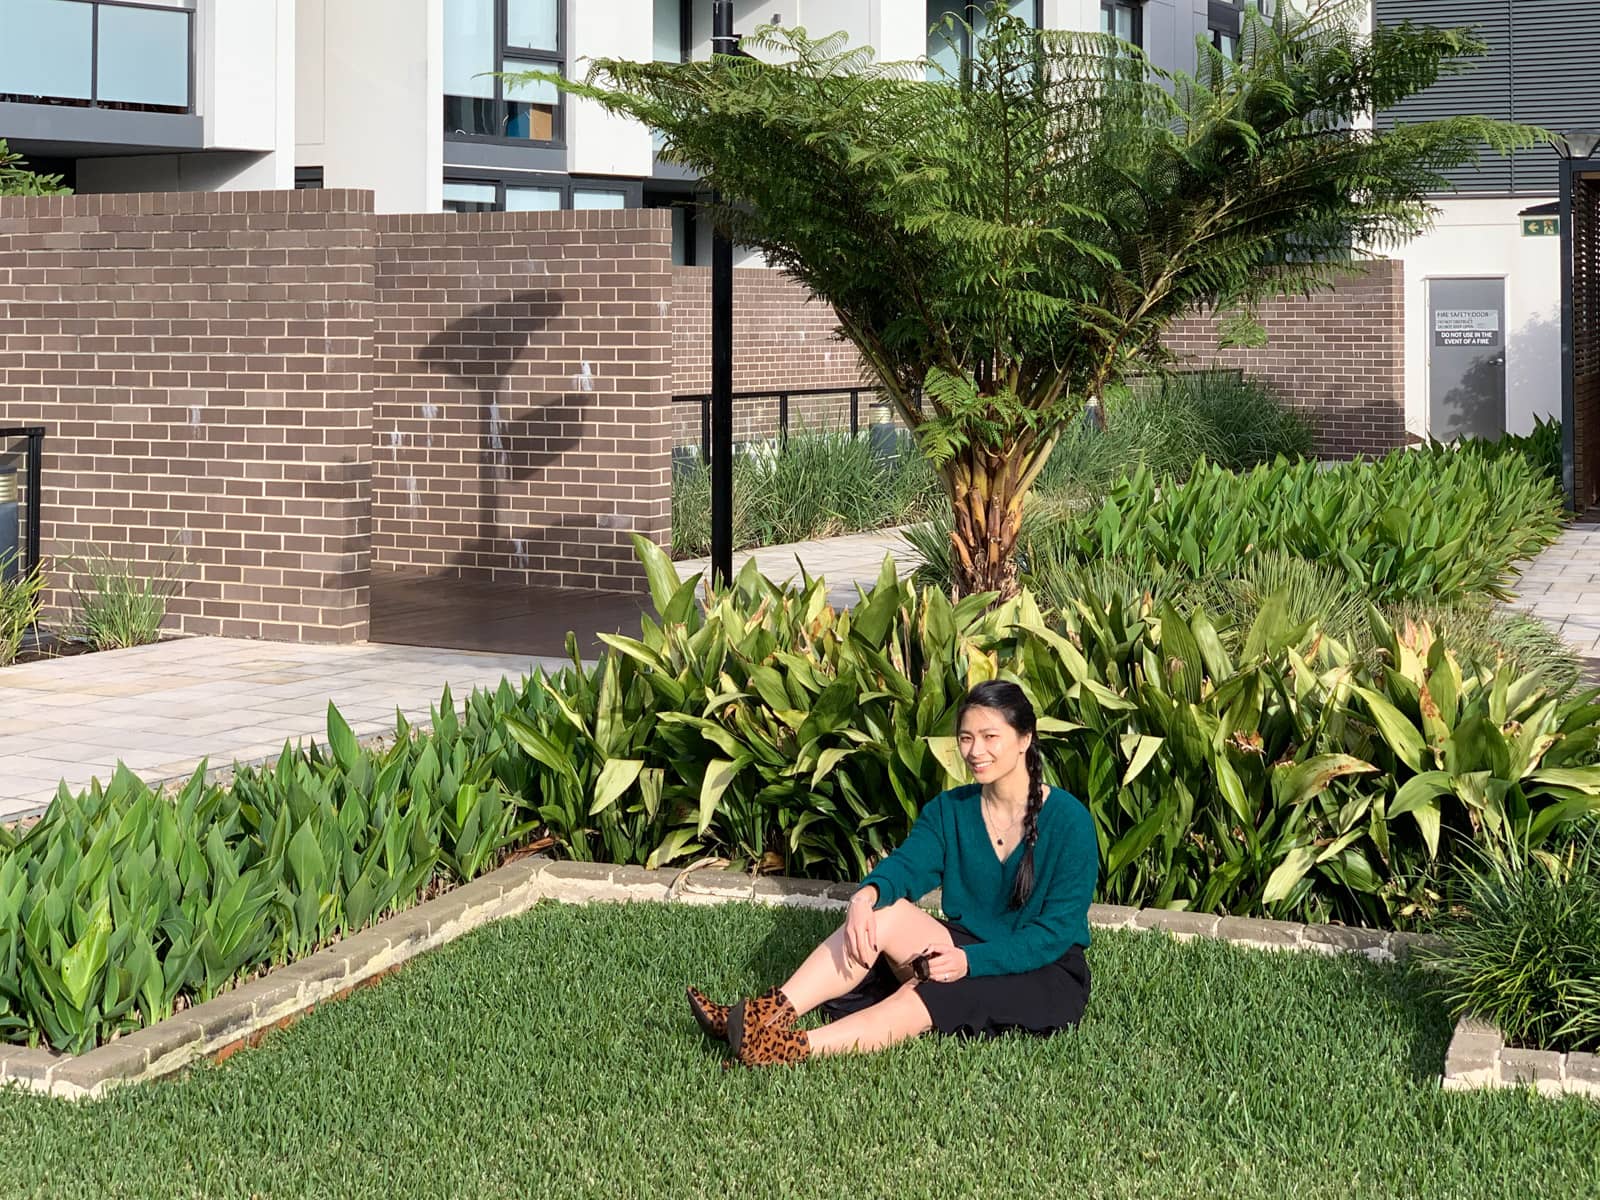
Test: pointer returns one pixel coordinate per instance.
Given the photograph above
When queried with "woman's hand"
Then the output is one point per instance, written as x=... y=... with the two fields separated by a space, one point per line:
x=946 y=963
x=861 y=927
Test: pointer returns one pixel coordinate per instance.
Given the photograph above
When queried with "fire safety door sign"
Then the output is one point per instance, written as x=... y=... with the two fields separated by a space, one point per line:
x=1466 y=327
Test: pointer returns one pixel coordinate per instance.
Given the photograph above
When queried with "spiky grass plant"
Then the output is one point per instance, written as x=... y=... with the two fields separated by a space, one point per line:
x=21 y=600
x=118 y=605
x=1523 y=949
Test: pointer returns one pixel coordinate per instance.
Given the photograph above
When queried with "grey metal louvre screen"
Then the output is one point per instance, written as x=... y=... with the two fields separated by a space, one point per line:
x=1484 y=88
x=1555 y=52
x=1539 y=71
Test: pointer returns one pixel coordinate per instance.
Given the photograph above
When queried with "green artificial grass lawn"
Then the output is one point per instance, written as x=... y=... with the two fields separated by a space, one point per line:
x=553 y=1055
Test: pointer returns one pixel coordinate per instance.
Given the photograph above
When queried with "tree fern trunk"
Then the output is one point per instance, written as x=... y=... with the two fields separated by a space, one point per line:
x=986 y=494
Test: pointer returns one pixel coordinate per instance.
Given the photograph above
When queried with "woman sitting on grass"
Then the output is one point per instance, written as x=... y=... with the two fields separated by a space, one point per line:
x=1018 y=864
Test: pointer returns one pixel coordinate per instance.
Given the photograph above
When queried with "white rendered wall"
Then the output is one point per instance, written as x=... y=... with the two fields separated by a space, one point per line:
x=1474 y=238
x=371 y=82
x=245 y=85
x=601 y=144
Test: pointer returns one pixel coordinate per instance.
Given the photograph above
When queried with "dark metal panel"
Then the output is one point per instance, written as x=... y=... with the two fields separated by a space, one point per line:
x=67 y=131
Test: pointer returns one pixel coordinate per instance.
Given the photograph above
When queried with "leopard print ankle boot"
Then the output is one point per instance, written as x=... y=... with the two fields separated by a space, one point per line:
x=711 y=1016
x=761 y=1031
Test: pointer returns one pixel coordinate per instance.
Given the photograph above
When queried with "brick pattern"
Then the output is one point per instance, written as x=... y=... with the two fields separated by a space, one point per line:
x=198 y=361
x=522 y=421
x=1338 y=355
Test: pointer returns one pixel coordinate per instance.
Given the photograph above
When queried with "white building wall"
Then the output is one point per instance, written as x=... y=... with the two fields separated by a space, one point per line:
x=601 y=144
x=1483 y=238
x=371 y=80
x=244 y=93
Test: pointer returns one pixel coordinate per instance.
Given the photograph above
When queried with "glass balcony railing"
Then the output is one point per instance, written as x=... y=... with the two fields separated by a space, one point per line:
x=97 y=53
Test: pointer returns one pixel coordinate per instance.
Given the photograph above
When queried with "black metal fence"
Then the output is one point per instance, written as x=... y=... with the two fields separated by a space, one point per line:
x=783 y=398
x=33 y=455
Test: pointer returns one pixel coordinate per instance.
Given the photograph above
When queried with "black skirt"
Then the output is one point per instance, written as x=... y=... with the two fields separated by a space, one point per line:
x=1040 y=1001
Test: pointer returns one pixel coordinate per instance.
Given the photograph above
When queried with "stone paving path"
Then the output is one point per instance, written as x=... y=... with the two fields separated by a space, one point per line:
x=845 y=561
x=160 y=709
x=1562 y=588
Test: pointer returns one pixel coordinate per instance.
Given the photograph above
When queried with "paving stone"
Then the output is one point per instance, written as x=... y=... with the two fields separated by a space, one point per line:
x=116 y=1062
x=568 y=869
x=1541 y=1068
x=796 y=893
x=1472 y=1058
x=934 y=901
x=1277 y=935
x=1181 y=924
x=171 y=1037
x=1404 y=945
x=1111 y=916
x=30 y=1065
x=1346 y=938
x=1584 y=1069
x=229 y=1015
x=637 y=883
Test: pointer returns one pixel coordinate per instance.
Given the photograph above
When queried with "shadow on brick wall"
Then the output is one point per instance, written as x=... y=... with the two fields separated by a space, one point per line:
x=516 y=436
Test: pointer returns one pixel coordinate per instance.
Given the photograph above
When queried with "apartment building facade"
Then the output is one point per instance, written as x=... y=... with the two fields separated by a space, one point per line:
x=402 y=96
x=1483 y=288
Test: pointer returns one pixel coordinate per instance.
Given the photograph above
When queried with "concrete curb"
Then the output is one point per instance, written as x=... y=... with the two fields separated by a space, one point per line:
x=240 y=1018
x=1479 y=1058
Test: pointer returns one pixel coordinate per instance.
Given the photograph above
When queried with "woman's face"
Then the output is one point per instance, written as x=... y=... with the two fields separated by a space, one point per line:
x=992 y=748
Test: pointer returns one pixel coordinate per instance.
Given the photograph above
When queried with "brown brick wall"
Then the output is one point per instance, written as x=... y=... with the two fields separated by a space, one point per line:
x=782 y=338
x=197 y=360
x=522 y=395
x=1339 y=356
x=284 y=389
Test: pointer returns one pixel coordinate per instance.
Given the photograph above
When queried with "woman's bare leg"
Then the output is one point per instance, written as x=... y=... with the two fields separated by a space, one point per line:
x=828 y=972
x=899 y=1016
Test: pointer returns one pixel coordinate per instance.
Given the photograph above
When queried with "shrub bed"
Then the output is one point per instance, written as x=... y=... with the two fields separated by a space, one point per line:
x=1290 y=778
x=1439 y=525
x=818 y=485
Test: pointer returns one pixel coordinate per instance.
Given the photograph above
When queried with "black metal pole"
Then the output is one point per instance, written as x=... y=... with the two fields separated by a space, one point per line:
x=34 y=493
x=1569 y=482
x=722 y=42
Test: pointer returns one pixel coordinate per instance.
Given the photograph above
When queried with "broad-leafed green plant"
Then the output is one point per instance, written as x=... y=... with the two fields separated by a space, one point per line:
x=1006 y=241
x=17 y=180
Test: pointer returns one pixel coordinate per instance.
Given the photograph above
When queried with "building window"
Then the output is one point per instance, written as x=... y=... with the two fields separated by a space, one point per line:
x=307 y=178
x=949 y=47
x=1123 y=19
x=1224 y=20
x=483 y=37
x=527 y=192
x=98 y=54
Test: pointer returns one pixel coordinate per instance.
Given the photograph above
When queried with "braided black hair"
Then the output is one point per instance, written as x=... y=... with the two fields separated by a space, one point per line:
x=1012 y=703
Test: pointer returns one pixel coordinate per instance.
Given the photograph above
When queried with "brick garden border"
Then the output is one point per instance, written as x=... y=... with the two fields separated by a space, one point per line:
x=1479 y=1058
x=243 y=1016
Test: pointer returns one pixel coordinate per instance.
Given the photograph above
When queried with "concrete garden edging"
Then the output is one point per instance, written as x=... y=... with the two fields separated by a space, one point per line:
x=243 y=1016
x=1479 y=1058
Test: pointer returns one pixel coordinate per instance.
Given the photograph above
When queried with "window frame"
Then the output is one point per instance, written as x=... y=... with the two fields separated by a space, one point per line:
x=504 y=56
x=1225 y=19
x=632 y=190
x=93 y=100
x=970 y=14
x=1136 y=10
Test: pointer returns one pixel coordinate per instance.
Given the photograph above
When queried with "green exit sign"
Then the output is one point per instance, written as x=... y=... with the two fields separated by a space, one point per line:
x=1541 y=226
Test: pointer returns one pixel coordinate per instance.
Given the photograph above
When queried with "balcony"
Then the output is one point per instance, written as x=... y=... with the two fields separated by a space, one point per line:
x=97 y=75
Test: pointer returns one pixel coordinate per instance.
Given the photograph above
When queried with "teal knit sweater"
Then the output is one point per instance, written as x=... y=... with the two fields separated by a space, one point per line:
x=949 y=847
